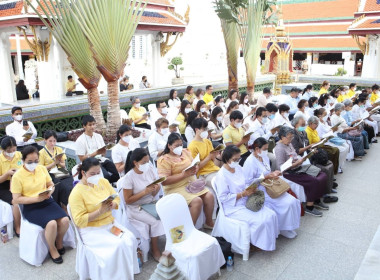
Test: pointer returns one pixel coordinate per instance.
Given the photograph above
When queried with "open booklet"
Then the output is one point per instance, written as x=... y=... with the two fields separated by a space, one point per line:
x=358 y=123
x=337 y=125
x=255 y=184
x=320 y=143
x=309 y=155
x=374 y=110
x=60 y=154
x=195 y=161
x=108 y=146
x=49 y=190
x=28 y=134
x=158 y=181
x=286 y=165
x=220 y=147
x=248 y=133
x=108 y=199
x=59 y=170
x=328 y=135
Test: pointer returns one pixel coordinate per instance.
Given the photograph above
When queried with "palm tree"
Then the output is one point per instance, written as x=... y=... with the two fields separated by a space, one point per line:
x=109 y=27
x=69 y=35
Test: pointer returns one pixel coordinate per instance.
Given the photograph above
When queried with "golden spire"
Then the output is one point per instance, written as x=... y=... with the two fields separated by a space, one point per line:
x=280 y=28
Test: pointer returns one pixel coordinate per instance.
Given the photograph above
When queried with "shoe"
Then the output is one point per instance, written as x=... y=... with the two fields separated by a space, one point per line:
x=340 y=171
x=335 y=185
x=321 y=206
x=334 y=191
x=374 y=140
x=58 y=260
x=288 y=233
x=15 y=233
x=205 y=226
x=330 y=199
x=61 y=251
x=314 y=212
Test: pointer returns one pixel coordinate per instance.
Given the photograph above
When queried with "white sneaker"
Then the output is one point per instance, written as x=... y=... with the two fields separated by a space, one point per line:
x=288 y=233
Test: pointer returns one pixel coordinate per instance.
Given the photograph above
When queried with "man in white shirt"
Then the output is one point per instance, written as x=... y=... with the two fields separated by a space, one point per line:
x=292 y=101
x=259 y=126
x=262 y=101
x=144 y=83
x=91 y=144
x=161 y=112
x=19 y=127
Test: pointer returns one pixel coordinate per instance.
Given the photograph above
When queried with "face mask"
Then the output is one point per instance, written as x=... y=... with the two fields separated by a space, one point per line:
x=221 y=104
x=94 y=179
x=362 y=106
x=127 y=139
x=234 y=164
x=200 y=96
x=188 y=110
x=31 y=166
x=144 y=167
x=264 y=120
x=263 y=153
x=245 y=101
x=18 y=117
x=203 y=110
x=315 y=105
x=11 y=155
x=164 y=130
x=164 y=110
x=325 y=118
x=204 y=134
x=271 y=117
x=237 y=125
x=137 y=105
x=286 y=115
x=178 y=150
x=301 y=128
x=219 y=119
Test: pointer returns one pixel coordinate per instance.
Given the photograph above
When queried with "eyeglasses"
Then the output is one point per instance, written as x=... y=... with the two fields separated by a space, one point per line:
x=237 y=160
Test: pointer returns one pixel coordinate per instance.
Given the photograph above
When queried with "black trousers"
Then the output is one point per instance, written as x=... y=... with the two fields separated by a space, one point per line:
x=143 y=125
x=20 y=148
x=5 y=193
x=110 y=172
x=63 y=188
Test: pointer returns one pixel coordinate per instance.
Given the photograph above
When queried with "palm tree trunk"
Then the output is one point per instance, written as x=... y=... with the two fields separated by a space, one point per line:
x=251 y=76
x=113 y=110
x=96 y=108
x=232 y=42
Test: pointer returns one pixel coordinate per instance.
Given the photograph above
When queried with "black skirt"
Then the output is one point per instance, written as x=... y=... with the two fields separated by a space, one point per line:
x=43 y=212
x=5 y=193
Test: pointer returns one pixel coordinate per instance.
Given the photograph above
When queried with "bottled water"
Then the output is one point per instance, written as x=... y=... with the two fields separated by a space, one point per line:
x=4 y=236
x=230 y=264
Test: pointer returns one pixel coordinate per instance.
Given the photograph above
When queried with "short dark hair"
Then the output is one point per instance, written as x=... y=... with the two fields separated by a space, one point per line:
x=312 y=100
x=271 y=108
x=87 y=119
x=135 y=155
x=69 y=77
x=294 y=89
x=208 y=87
x=50 y=133
x=199 y=123
x=218 y=98
x=260 y=111
x=122 y=129
x=301 y=103
x=283 y=108
x=8 y=141
x=158 y=103
x=171 y=93
x=266 y=90
x=352 y=85
x=375 y=87
x=143 y=78
x=16 y=108
x=229 y=152
x=28 y=150
x=236 y=115
x=258 y=143
x=86 y=165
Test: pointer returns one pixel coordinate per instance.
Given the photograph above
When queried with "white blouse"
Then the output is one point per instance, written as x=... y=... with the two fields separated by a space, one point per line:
x=157 y=142
x=174 y=103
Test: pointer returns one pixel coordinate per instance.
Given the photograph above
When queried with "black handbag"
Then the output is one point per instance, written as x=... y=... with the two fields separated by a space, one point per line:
x=62 y=136
x=321 y=158
x=226 y=249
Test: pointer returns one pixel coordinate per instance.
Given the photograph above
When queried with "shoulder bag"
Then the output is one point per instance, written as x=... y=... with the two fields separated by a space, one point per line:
x=275 y=188
x=255 y=201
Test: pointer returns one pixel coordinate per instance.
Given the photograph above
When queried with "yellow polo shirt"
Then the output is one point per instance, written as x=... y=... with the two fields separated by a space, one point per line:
x=207 y=98
x=189 y=97
x=351 y=93
x=203 y=149
x=322 y=91
x=85 y=199
x=28 y=183
x=374 y=97
x=182 y=124
x=6 y=165
x=70 y=85
x=234 y=136
x=45 y=158
x=312 y=135
x=136 y=114
x=342 y=97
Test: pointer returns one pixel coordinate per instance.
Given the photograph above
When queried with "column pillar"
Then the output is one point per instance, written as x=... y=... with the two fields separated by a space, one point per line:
x=7 y=89
x=19 y=58
x=346 y=64
x=309 y=60
x=155 y=61
x=369 y=61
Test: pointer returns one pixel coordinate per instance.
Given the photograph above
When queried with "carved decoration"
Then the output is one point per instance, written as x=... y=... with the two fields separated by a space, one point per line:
x=363 y=46
x=165 y=47
x=184 y=18
x=40 y=49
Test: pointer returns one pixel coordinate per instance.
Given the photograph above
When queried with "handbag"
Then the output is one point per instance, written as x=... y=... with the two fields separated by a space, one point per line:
x=276 y=187
x=322 y=157
x=226 y=249
x=196 y=186
x=309 y=169
x=354 y=133
x=255 y=201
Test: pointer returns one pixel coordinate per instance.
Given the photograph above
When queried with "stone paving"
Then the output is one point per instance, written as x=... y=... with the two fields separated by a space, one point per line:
x=331 y=247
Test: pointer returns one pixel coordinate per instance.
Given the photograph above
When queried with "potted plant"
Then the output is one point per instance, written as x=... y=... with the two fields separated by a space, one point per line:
x=174 y=64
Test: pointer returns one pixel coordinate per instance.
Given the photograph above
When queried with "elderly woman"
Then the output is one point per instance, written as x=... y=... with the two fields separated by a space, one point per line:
x=302 y=112
x=345 y=147
x=314 y=186
x=313 y=137
x=344 y=128
x=158 y=139
x=358 y=111
x=172 y=165
x=138 y=114
x=231 y=189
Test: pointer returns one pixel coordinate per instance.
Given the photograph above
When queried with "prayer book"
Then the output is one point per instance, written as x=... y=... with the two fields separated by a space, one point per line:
x=109 y=198
x=49 y=190
x=358 y=123
x=60 y=154
x=255 y=184
x=195 y=161
x=329 y=135
x=286 y=165
x=28 y=134
x=107 y=147
x=337 y=125
x=320 y=143
x=220 y=147
x=248 y=133
x=158 y=181
x=309 y=155
x=365 y=115
x=117 y=231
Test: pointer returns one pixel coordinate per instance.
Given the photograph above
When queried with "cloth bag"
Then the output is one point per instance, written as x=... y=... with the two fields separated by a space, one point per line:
x=275 y=188
x=255 y=201
x=196 y=186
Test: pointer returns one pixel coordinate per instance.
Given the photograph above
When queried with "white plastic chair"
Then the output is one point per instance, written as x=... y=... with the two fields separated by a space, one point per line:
x=199 y=255
x=33 y=247
x=6 y=218
x=234 y=231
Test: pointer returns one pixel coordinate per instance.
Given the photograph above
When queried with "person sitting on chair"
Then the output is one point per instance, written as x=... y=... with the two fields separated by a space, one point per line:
x=71 y=86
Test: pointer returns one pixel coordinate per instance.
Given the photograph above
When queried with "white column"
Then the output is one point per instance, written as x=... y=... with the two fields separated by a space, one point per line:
x=377 y=61
x=309 y=61
x=156 y=61
x=346 y=64
x=7 y=89
x=19 y=58
x=369 y=61
x=59 y=56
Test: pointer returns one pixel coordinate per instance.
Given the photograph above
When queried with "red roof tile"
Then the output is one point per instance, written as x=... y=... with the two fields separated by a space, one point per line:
x=13 y=11
x=372 y=5
x=160 y=2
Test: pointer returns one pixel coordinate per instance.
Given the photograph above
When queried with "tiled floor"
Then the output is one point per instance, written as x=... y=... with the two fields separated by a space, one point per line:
x=331 y=247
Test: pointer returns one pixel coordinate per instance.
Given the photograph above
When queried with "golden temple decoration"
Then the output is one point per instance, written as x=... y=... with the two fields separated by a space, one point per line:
x=40 y=49
x=165 y=47
x=363 y=46
x=184 y=18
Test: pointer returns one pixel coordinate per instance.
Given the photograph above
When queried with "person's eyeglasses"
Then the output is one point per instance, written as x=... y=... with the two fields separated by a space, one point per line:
x=236 y=160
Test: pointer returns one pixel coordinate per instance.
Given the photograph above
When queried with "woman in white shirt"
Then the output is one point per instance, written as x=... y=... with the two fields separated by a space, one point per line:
x=198 y=96
x=189 y=131
x=244 y=105
x=232 y=96
x=201 y=108
x=137 y=191
x=215 y=124
x=174 y=101
x=282 y=116
x=308 y=92
x=302 y=110
x=125 y=144
x=313 y=105
x=234 y=105
x=219 y=102
x=158 y=139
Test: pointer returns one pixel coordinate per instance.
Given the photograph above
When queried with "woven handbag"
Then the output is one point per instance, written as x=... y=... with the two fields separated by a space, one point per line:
x=275 y=188
x=255 y=201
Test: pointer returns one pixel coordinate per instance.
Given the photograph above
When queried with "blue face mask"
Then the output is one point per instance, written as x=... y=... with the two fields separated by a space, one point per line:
x=370 y=95
x=301 y=128
x=362 y=106
x=271 y=117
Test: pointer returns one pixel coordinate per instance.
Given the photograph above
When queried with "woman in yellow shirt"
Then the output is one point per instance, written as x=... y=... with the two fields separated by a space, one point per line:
x=189 y=94
x=53 y=157
x=324 y=88
x=138 y=114
x=10 y=162
x=182 y=116
x=32 y=186
x=375 y=94
x=91 y=213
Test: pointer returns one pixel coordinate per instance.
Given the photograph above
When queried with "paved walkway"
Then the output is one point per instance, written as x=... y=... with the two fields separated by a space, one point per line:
x=331 y=247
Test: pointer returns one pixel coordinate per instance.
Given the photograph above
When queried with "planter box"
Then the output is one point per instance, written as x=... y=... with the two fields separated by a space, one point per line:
x=178 y=81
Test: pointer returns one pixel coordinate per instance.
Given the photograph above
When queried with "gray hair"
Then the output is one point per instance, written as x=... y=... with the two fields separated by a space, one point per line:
x=339 y=107
x=296 y=120
x=284 y=131
x=313 y=120
x=347 y=102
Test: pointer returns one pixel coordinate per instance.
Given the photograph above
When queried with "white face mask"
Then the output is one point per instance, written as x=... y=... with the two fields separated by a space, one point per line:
x=127 y=139
x=263 y=153
x=325 y=118
x=219 y=118
x=238 y=125
x=164 y=130
x=144 y=167
x=178 y=150
x=31 y=166
x=204 y=134
x=246 y=100
x=11 y=155
x=201 y=97
x=18 y=117
x=286 y=115
x=188 y=110
x=164 y=110
x=221 y=104
x=234 y=164
x=137 y=105
x=203 y=110
x=264 y=120
x=94 y=179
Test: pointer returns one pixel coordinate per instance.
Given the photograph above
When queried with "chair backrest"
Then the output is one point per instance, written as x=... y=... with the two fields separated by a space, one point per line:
x=174 y=211
x=79 y=238
x=215 y=188
x=152 y=107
